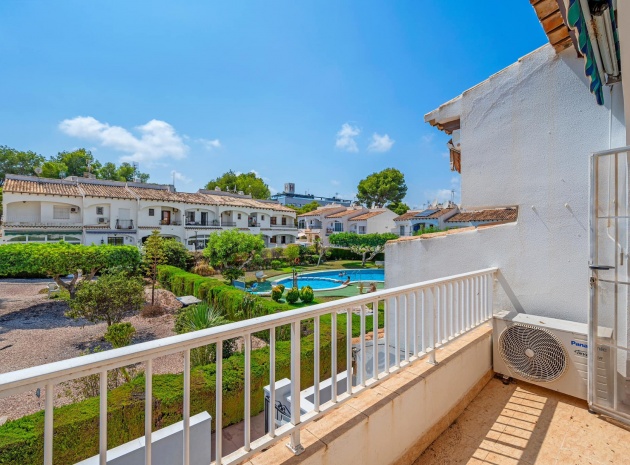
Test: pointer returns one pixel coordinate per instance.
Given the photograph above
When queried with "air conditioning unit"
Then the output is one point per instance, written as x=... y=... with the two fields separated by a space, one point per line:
x=74 y=209
x=102 y=220
x=550 y=353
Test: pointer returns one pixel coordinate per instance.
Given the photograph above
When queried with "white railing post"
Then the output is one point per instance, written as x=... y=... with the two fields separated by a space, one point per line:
x=186 y=429
x=375 y=339
x=148 y=410
x=48 y=425
x=218 y=413
x=361 y=371
x=432 y=314
x=491 y=295
x=396 y=331
x=247 y=413
x=272 y=382
x=316 y=336
x=416 y=315
x=333 y=354
x=349 y=372
x=386 y=329
x=405 y=309
x=102 y=431
x=294 y=443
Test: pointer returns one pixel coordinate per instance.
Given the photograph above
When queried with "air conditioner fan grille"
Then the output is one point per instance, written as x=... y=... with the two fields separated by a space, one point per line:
x=533 y=353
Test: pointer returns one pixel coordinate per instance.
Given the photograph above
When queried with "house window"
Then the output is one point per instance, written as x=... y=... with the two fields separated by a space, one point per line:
x=273 y=240
x=402 y=230
x=61 y=213
x=115 y=240
x=283 y=239
x=361 y=229
x=190 y=217
x=302 y=224
x=284 y=221
x=99 y=210
x=338 y=227
x=151 y=211
x=239 y=216
x=262 y=217
x=274 y=220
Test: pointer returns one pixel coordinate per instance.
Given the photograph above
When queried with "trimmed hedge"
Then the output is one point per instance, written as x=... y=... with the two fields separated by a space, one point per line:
x=346 y=254
x=61 y=258
x=221 y=296
x=76 y=425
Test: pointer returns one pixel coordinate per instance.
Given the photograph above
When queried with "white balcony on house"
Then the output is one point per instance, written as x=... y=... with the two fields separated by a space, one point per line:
x=196 y=218
x=42 y=215
x=417 y=324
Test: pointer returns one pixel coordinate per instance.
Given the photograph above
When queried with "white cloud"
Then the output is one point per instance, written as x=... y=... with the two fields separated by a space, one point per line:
x=334 y=182
x=256 y=173
x=210 y=144
x=177 y=176
x=345 y=138
x=381 y=143
x=157 y=139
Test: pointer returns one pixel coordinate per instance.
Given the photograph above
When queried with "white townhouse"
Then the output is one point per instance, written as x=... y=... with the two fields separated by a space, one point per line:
x=417 y=220
x=94 y=211
x=324 y=221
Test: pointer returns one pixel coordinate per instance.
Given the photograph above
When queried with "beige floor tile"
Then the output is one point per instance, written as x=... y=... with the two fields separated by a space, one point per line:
x=525 y=424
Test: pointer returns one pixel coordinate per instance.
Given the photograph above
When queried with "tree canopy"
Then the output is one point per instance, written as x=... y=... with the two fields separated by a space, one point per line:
x=309 y=207
x=366 y=245
x=382 y=188
x=17 y=162
x=400 y=208
x=249 y=183
x=73 y=163
x=232 y=250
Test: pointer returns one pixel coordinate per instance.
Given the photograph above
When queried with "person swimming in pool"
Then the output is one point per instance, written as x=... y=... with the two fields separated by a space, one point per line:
x=372 y=287
x=347 y=281
x=341 y=273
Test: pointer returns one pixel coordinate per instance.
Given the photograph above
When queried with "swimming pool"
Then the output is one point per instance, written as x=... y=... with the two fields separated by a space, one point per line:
x=334 y=279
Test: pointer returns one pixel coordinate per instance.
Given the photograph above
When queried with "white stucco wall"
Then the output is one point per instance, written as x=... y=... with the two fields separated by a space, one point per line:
x=526 y=135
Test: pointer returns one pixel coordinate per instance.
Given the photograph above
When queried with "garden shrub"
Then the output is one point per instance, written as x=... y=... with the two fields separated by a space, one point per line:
x=281 y=287
x=276 y=293
x=276 y=264
x=203 y=269
x=76 y=425
x=293 y=295
x=307 y=295
x=120 y=334
x=203 y=316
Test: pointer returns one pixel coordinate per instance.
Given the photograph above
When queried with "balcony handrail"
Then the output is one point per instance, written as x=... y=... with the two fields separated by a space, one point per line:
x=474 y=287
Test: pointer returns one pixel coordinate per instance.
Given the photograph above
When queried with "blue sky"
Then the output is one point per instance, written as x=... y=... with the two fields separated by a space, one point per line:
x=320 y=93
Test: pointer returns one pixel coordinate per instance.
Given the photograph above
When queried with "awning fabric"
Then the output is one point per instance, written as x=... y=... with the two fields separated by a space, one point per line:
x=577 y=22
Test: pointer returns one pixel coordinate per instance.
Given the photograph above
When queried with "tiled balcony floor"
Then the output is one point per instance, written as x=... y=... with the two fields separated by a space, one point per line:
x=526 y=424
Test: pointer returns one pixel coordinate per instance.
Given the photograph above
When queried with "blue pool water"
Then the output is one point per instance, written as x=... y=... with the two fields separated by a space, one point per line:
x=325 y=280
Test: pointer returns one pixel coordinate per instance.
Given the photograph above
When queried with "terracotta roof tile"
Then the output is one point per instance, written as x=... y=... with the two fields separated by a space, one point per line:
x=343 y=213
x=319 y=211
x=494 y=215
x=115 y=189
x=102 y=190
x=407 y=216
x=367 y=215
x=32 y=185
x=439 y=213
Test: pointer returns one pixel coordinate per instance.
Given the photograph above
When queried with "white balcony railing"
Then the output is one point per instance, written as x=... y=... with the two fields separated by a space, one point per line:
x=36 y=221
x=418 y=318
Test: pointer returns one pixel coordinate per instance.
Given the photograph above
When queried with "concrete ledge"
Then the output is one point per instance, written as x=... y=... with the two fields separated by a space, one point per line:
x=393 y=422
